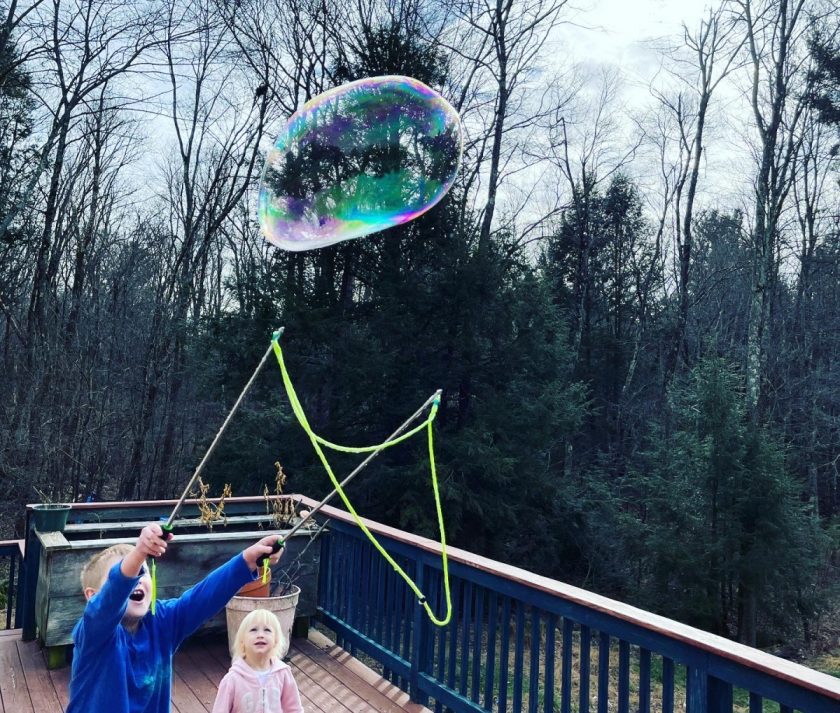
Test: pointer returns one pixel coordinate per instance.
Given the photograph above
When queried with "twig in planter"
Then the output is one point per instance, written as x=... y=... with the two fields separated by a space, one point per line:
x=208 y=513
x=290 y=574
x=282 y=510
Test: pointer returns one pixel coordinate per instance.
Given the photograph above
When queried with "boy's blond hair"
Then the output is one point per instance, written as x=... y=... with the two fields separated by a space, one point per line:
x=96 y=568
x=259 y=617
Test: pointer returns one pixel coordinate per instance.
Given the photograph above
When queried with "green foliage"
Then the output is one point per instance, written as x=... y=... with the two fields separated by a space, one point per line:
x=722 y=520
x=392 y=48
x=824 y=78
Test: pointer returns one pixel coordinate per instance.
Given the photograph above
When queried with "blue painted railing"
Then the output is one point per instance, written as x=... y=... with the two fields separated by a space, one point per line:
x=521 y=642
x=12 y=552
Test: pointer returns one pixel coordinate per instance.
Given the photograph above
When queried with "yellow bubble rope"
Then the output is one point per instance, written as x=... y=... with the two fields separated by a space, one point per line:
x=153 y=574
x=317 y=442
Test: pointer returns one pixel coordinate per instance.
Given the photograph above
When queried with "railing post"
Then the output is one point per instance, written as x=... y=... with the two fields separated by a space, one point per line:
x=696 y=690
x=419 y=649
x=28 y=579
x=720 y=696
x=14 y=591
x=705 y=693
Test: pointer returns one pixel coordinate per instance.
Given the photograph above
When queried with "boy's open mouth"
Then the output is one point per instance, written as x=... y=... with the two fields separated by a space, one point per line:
x=138 y=595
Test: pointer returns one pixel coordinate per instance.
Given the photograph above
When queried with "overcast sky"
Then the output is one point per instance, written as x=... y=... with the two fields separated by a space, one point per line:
x=621 y=31
x=629 y=34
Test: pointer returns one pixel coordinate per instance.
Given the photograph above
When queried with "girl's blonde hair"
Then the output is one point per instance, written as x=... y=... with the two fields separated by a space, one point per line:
x=259 y=617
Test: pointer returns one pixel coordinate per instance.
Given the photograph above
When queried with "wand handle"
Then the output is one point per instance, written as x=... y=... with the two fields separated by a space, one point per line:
x=278 y=545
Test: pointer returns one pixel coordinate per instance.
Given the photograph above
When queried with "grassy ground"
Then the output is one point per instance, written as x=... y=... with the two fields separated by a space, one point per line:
x=827 y=663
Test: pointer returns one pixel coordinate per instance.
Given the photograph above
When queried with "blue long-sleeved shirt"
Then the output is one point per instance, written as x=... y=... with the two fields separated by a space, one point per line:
x=120 y=672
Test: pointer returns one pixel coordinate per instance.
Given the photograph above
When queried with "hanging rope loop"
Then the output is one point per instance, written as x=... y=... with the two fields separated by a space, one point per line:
x=318 y=443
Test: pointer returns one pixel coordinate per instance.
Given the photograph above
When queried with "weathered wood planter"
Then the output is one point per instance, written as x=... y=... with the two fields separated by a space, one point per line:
x=195 y=552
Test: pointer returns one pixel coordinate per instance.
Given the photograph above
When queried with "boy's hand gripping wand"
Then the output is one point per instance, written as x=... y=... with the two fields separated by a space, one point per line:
x=168 y=527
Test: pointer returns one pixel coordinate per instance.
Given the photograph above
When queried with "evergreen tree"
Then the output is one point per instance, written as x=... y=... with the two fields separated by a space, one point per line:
x=824 y=78
x=726 y=536
x=16 y=125
x=373 y=327
x=616 y=300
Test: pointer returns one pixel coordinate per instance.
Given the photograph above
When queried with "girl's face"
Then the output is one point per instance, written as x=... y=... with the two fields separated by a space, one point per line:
x=259 y=640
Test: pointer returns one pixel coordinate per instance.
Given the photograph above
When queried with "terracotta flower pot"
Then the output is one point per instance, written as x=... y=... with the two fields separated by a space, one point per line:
x=256 y=588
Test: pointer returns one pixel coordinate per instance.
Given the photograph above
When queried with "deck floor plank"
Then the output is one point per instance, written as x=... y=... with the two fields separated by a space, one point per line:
x=194 y=678
x=60 y=678
x=41 y=690
x=329 y=679
x=319 y=647
x=309 y=705
x=202 y=658
x=184 y=697
x=353 y=698
x=14 y=693
x=316 y=692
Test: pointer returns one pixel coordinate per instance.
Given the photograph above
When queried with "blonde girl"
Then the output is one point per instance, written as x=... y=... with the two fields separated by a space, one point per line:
x=258 y=680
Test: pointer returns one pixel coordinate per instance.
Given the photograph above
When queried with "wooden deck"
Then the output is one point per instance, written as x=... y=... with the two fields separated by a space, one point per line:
x=329 y=679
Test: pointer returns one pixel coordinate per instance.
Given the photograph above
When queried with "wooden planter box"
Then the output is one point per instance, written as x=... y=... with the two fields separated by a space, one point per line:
x=59 y=601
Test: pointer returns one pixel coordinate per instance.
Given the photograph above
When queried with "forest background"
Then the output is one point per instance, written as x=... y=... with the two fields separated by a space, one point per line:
x=632 y=307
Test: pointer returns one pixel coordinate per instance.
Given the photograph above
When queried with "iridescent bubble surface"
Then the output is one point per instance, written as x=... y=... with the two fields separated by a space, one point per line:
x=357 y=159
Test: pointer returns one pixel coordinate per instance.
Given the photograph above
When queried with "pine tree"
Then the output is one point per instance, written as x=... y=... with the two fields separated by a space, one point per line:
x=729 y=545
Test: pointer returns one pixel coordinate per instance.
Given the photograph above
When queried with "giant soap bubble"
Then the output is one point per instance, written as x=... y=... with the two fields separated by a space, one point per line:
x=357 y=159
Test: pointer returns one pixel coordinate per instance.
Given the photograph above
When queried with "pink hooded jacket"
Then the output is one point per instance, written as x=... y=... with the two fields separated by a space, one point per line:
x=240 y=690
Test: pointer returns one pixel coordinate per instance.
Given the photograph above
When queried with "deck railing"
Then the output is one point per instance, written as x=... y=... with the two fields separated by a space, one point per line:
x=11 y=559
x=521 y=642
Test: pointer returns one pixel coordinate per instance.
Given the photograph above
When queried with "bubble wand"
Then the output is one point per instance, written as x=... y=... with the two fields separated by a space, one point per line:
x=433 y=400
x=168 y=527
x=393 y=439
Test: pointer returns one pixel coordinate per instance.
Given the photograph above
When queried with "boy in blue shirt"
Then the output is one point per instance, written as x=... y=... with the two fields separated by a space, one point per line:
x=122 y=662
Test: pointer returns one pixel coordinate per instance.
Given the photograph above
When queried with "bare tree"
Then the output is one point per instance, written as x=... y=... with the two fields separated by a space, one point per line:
x=13 y=59
x=500 y=45
x=711 y=58
x=217 y=122
x=83 y=47
x=291 y=45
x=588 y=148
x=815 y=166
x=109 y=144
x=775 y=35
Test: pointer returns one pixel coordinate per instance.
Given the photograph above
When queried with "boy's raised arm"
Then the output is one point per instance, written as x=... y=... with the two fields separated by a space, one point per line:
x=210 y=595
x=104 y=611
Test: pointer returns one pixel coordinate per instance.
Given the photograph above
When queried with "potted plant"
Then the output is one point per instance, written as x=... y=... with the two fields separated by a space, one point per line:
x=278 y=595
x=49 y=516
x=281 y=593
